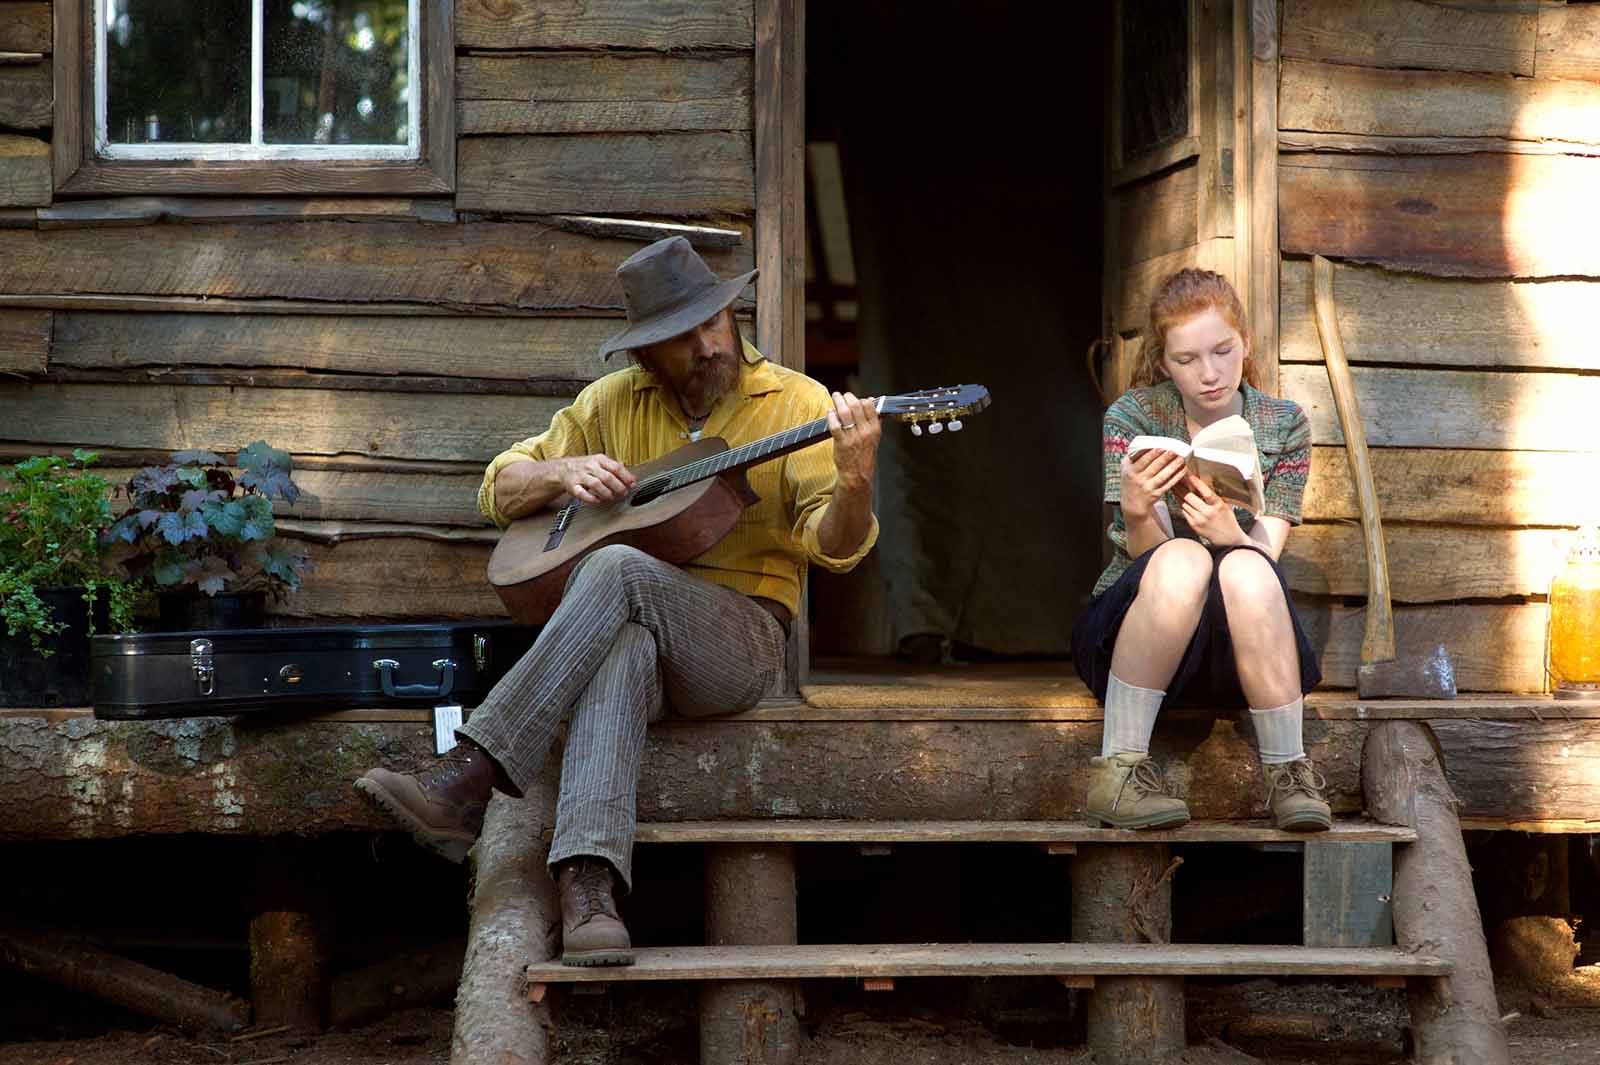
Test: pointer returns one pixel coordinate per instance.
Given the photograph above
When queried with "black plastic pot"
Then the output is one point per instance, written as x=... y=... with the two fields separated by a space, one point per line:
x=185 y=612
x=28 y=678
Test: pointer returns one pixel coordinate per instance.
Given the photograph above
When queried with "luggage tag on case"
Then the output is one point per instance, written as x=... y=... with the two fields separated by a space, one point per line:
x=446 y=719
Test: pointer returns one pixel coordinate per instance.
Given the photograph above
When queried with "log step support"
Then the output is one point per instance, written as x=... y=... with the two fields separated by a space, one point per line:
x=750 y=903
x=1458 y=1019
x=1122 y=894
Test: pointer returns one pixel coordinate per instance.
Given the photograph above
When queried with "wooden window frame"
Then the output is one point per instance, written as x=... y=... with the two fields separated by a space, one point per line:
x=1125 y=170
x=80 y=171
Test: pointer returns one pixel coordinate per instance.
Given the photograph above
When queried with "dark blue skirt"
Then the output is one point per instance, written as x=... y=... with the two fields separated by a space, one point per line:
x=1206 y=675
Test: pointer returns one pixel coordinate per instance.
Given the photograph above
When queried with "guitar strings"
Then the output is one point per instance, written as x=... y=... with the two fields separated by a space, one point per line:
x=714 y=464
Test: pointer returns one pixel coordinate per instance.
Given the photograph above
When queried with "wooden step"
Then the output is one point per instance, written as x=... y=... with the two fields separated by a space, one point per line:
x=995 y=959
x=1072 y=832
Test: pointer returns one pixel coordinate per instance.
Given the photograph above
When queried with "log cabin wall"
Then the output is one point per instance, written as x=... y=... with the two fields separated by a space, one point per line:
x=392 y=345
x=1447 y=158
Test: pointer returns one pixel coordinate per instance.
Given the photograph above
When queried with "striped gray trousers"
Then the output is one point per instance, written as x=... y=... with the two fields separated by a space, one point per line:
x=631 y=631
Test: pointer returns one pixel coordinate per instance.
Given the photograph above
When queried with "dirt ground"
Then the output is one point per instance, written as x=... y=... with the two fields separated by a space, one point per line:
x=1281 y=1023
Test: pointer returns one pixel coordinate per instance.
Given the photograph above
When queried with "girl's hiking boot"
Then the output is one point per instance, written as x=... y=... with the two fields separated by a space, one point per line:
x=1128 y=791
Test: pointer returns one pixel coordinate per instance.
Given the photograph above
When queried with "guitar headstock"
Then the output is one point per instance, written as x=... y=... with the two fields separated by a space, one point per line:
x=936 y=408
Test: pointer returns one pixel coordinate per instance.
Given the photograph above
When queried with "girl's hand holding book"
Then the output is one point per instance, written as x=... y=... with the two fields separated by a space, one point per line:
x=1147 y=477
x=1209 y=514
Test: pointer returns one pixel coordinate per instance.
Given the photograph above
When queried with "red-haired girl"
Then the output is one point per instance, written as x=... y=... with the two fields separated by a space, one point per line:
x=1193 y=607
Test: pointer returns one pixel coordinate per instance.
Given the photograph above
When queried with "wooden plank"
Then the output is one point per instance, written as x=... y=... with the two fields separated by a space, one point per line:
x=1454 y=408
x=1357 y=144
x=1139 y=284
x=24 y=171
x=1331 y=97
x=1495 y=38
x=561 y=349
x=1159 y=215
x=661 y=25
x=1469 y=215
x=793 y=831
x=24 y=341
x=394 y=578
x=396 y=492
x=812 y=961
x=1457 y=487
x=1568 y=44
x=24 y=27
x=1345 y=893
x=613 y=92
x=483 y=263
x=1427 y=563
x=1496 y=647
x=1399 y=318
x=398 y=425
x=144 y=210
x=1168 y=155
x=680 y=174
x=648 y=231
x=1542 y=773
x=273 y=377
x=1263 y=198
x=26 y=96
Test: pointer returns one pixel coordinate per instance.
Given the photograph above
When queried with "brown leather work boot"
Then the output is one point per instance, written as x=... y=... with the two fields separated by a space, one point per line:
x=443 y=807
x=1294 y=795
x=591 y=931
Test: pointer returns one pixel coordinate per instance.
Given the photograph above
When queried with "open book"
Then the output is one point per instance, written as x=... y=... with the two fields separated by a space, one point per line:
x=1223 y=453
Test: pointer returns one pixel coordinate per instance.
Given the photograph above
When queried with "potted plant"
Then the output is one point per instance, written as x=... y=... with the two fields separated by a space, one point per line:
x=203 y=536
x=53 y=589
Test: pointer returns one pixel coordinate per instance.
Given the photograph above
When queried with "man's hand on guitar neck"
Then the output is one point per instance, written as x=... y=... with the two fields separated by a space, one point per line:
x=856 y=430
x=522 y=488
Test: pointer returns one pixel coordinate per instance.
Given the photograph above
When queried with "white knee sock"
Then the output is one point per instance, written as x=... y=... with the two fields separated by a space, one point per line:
x=1130 y=718
x=1278 y=733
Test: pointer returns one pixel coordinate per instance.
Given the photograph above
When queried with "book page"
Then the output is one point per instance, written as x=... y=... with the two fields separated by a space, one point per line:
x=1158 y=443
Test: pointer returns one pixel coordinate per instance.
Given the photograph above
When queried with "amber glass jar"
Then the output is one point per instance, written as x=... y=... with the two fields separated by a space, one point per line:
x=1575 y=621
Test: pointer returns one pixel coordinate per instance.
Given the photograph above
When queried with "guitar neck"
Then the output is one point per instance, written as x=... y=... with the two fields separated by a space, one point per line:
x=751 y=454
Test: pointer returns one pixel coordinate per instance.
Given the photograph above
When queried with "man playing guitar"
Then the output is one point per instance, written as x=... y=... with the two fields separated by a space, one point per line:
x=633 y=634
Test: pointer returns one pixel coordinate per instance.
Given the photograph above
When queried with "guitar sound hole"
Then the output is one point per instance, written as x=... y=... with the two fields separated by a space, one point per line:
x=646 y=492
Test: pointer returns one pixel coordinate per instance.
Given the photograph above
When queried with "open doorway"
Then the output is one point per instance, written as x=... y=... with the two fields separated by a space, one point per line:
x=955 y=185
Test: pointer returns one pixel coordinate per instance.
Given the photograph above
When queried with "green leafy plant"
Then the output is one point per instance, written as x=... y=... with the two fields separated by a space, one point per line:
x=52 y=514
x=193 y=523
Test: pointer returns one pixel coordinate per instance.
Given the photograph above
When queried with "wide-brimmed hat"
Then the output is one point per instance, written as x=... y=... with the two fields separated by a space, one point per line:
x=668 y=289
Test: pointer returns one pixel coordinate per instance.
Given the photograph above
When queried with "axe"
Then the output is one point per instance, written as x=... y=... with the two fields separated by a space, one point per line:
x=1383 y=672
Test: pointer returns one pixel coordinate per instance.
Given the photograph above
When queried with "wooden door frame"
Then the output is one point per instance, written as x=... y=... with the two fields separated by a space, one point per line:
x=1255 y=31
x=780 y=229
x=1233 y=137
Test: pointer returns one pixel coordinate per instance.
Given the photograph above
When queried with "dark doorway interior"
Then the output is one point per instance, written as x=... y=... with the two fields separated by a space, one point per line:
x=956 y=198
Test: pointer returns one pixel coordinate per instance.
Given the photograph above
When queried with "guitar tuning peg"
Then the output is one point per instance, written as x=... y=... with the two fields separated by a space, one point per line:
x=936 y=427
x=916 y=430
x=955 y=425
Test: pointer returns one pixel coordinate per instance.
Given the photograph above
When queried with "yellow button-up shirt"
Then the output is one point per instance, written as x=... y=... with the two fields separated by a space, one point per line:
x=630 y=416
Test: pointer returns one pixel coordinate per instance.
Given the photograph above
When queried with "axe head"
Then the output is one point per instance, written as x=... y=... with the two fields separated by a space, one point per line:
x=1429 y=676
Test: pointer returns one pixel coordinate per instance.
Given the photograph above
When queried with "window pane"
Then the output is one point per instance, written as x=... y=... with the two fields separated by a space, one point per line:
x=335 y=72
x=1155 y=74
x=177 y=70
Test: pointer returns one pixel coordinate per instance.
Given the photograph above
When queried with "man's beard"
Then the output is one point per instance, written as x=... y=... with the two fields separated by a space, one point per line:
x=707 y=383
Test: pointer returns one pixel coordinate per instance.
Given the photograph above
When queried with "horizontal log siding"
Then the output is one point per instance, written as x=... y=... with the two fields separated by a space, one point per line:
x=392 y=345
x=1433 y=143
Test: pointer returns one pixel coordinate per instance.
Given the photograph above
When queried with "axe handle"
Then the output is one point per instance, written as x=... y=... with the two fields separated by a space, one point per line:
x=1377 y=643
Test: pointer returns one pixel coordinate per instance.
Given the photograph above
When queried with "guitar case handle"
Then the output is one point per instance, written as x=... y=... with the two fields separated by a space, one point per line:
x=386 y=669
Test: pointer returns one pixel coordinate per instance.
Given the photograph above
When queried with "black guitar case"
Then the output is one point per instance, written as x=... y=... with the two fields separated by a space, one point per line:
x=199 y=674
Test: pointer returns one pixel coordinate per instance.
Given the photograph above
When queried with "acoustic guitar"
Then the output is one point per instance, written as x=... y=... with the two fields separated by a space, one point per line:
x=680 y=504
